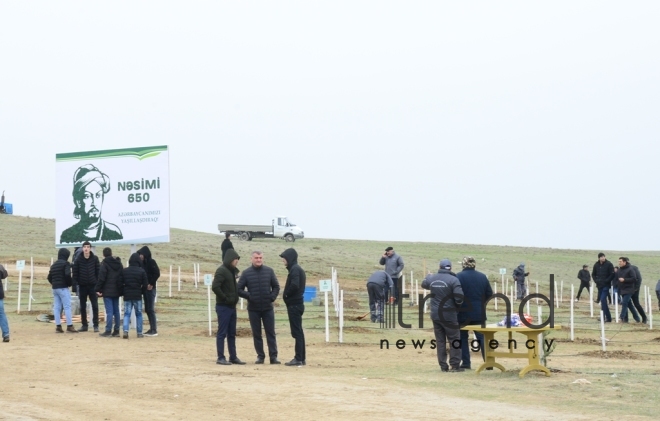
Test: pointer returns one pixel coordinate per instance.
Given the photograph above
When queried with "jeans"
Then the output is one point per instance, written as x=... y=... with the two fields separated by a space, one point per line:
x=295 y=323
x=85 y=291
x=638 y=306
x=62 y=299
x=226 y=329
x=376 y=301
x=4 y=324
x=446 y=335
x=129 y=305
x=466 y=344
x=112 y=311
x=268 y=319
x=604 y=295
x=625 y=305
x=149 y=308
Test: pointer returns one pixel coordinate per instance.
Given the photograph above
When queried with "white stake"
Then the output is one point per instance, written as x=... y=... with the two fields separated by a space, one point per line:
x=540 y=312
x=591 y=299
x=572 y=327
x=616 y=306
x=556 y=300
x=20 y=276
x=646 y=300
x=412 y=290
x=241 y=299
x=170 y=293
x=537 y=291
x=179 y=278
x=31 y=281
x=208 y=289
x=403 y=284
x=495 y=297
x=341 y=317
x=417 y=291
x=650 y=312
x=327 y=322
x=602 y=329
x=561 y=294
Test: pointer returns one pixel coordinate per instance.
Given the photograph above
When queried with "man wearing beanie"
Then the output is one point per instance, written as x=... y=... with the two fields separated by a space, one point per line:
x=477 y=291
x=393 y=266
x=446 y=290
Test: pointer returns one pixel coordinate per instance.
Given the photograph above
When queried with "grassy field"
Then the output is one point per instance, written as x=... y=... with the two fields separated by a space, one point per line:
x=622 y=381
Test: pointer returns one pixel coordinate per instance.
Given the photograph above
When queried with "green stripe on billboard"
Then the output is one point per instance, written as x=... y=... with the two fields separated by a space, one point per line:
x=139 y=153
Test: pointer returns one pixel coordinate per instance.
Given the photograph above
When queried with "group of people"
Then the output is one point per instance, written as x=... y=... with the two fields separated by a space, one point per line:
x=92 y=279
x=259 y=286
x=466 y=290
x=625 y=280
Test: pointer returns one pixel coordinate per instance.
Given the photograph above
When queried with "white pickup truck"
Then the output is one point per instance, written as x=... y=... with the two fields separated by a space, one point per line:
x=281 y=228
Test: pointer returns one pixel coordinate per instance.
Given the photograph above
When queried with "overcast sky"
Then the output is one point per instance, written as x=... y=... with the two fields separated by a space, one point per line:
x=511 y=123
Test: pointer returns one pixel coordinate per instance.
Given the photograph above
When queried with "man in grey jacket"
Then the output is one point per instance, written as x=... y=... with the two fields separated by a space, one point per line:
x=377 y=286
x=447 y=298
x=393 y=266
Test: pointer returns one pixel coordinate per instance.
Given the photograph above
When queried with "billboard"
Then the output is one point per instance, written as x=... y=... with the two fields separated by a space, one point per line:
x=118 y=196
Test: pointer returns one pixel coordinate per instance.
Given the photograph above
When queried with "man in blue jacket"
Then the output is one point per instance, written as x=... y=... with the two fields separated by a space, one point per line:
x=477 y=290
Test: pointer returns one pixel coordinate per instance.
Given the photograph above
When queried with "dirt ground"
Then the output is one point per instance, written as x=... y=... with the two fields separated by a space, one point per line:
x=49 y=376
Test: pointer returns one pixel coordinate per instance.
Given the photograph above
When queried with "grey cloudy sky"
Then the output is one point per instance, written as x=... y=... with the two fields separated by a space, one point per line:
x=512 y=123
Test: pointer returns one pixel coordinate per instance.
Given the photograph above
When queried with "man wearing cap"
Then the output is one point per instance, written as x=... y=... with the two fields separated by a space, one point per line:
x=477 y=291
x=585 y=280
x=447 y=299
x=377 y=286
x=393 y=266
x=90 y=186
x=519 y=275
x=603 y=275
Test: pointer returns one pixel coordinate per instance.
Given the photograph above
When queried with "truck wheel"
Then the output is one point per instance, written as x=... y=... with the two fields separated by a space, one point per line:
x=245 y=236
x=289 y=238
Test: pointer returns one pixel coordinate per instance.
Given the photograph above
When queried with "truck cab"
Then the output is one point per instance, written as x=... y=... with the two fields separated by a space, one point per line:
x=283 y=228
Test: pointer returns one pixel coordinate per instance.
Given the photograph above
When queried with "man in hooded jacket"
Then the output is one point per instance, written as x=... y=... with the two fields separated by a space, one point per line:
x=109 y=288
x=226 y=296
x=153 y=273
x=60 y=279
x=519 y=275
x=294 y=291
x=134 y=283
x=85 y=276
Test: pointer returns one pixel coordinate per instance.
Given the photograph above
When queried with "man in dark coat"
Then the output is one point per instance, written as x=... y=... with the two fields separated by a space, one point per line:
x=635 y=296
x=476 y=289
x=447 y=299
x=377 y=286
x=519 y=275
x=585 y=281
x=109 y=288
x=226 y=296
x=603 y=274
x=294 y=291
x=262 y=289
x=134 y=283
x=85 y=276
x=153 y=273
x=627 y=279
x=59 y=277
x=226 y=245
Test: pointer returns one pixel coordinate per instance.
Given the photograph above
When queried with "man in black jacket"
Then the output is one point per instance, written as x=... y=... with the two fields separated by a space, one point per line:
x=59 y=277
x=603 y=274
x=109 y=288
x=585 y=281
x=626 y=278
x=85 y=276
x=226 y=245
x=226 y=297
x=262 y=290
x=635 y=296
x=134 y=283
x=153 y=273
x=294 y=291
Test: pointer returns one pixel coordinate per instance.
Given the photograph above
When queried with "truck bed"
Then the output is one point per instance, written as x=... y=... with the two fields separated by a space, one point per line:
x=237 y=227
